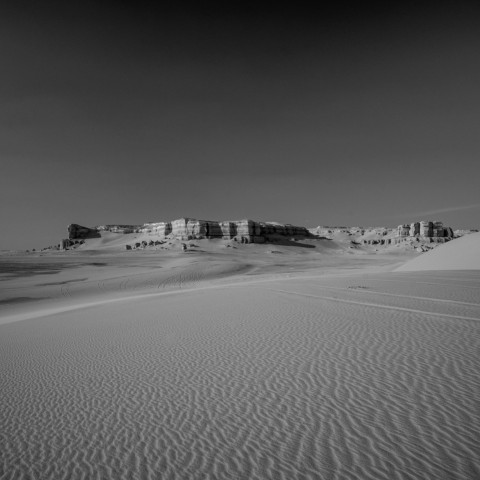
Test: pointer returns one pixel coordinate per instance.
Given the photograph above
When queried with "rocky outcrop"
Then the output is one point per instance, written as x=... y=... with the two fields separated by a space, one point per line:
x=229 y=229
x=159 y=228
x=67 y=243
x=403 y=230
x=423 y=229
x=118 y=228
x=76 y=231
x=414 y=229
x=184 y=228
x=245 y=231
x=426 y=229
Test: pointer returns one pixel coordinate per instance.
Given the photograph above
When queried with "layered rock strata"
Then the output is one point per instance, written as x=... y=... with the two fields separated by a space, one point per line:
x=118 y=228
x=245 y=231
x=431 y=230
x=159 y=228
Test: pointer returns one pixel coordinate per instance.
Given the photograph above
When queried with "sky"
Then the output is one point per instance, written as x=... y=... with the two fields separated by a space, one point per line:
x=132 y=112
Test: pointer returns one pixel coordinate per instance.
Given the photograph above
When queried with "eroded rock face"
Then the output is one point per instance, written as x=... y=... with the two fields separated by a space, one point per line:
x=229 y=229
x=77 y=231
x=185 y=228
x=426 y=229
x=448 y=232
x=118 y=228
x=245 y=231
x=159 y=228
x=437 y=229
x=414 y=229
x=423 y=229
x=188 y=228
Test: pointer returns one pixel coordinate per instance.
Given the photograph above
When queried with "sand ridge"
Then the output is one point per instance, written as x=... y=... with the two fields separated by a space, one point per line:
x=461 y=254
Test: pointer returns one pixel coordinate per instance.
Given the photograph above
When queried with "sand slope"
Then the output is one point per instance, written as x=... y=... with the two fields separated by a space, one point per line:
x=460 y=254
x=277 y=375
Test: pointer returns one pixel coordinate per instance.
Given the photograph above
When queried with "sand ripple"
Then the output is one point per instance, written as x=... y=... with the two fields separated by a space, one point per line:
x=263 y=381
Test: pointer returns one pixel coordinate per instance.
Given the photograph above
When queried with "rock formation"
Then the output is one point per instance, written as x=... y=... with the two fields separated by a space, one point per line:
x=118 y=228
x=76 y=231
x=160 y=228
x=245 y=231
x=434 y=231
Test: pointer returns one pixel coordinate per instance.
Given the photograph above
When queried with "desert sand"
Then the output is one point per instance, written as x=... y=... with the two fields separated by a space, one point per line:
x=462 y=254
x=308 y=361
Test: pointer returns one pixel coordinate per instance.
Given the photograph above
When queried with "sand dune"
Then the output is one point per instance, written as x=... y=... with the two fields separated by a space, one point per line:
x=236 y=366
x=460 y=254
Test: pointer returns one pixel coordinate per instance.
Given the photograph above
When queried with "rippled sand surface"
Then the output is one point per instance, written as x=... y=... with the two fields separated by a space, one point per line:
x=350 y=376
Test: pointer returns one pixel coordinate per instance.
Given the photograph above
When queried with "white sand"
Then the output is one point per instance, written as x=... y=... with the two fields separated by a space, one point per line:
x=240 y=364
x=461 y=254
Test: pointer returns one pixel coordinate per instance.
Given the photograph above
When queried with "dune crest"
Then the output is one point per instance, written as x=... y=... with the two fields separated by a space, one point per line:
x=462 y=254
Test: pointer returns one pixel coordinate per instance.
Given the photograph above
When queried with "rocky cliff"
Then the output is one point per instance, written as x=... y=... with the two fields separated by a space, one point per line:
x=118 y=228
x=76 y=231
x=431 y=230
x=247 y=231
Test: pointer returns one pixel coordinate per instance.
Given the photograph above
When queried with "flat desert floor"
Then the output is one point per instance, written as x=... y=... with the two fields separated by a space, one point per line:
x=256 y=362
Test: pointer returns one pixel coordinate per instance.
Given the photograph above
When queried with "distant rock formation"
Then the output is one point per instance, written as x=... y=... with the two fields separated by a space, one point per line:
x=245 y=231
x=76 y=231
x=118 y=228
x=68 y=243
x=435 y=231
x=415 y=233
x=461 y=233
x=160 y=228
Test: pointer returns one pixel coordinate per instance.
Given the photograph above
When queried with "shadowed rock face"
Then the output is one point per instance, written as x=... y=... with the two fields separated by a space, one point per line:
x=77 y=231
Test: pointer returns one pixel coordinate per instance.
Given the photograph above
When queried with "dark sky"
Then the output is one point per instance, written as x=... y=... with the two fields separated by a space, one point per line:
x=127 y=112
